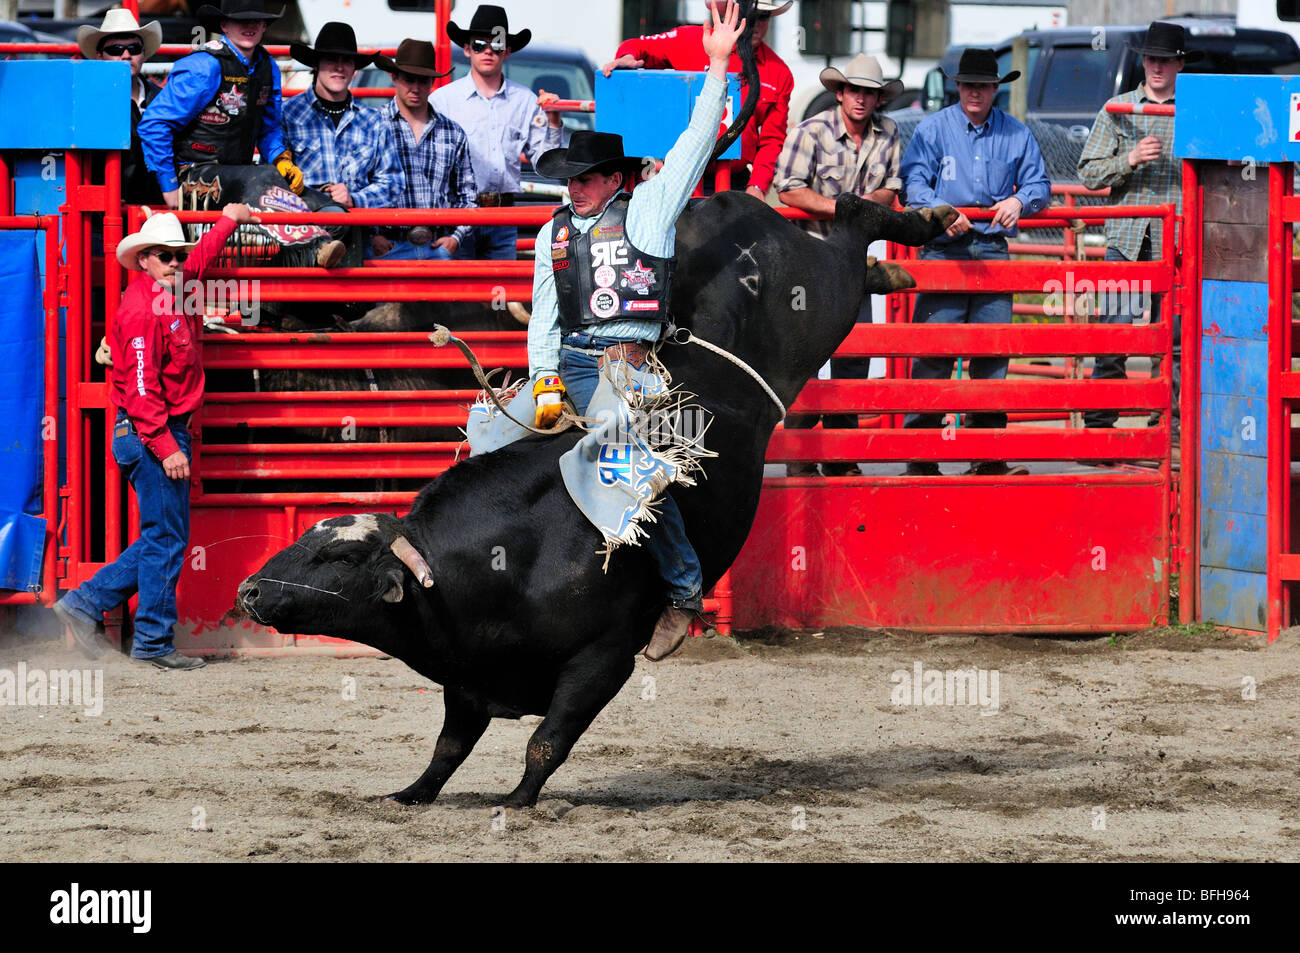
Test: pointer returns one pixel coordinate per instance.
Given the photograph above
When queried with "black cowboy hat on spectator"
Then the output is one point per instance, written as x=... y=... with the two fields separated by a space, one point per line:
x=211 y=16
x=587 y=152
x=980 y=66
x=491 y=22
x=1167 y=41
x=333 y=40
x=416 y=57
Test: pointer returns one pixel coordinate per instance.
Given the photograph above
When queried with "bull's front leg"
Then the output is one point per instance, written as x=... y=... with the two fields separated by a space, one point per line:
x=583 y=689
x=463 y=724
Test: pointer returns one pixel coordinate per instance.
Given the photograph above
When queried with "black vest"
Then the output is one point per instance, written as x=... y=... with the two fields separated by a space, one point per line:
x=226 y=129
x=600 y=276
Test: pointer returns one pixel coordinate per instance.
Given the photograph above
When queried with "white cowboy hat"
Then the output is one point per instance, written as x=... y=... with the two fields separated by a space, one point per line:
x=161 y=229
x=118 y=20
x=862 y=71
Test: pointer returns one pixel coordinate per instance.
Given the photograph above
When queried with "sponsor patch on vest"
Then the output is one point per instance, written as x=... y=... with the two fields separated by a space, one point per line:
x=263 y=97
x=212 y=45
x=559 y=265
x=607 y=231
x=604 y=303
x=559 y=253
x=562 y=235
x=639 y=279
x=605 y=276
x=212 y=116
x=640 y=305
x=233 y=101
x=205 y=146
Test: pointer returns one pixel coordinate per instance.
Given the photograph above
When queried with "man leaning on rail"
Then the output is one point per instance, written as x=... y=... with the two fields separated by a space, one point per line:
x=972 y=154
x=156 y=383
x=1132 y=155
x=581 y=318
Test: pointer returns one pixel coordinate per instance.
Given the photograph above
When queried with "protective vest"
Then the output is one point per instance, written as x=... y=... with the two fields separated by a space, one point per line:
x=226 y=129
x=601 y=276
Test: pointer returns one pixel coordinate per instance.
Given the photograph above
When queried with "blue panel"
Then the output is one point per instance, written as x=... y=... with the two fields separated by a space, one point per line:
x=1231 y=482
x=651 y=108
x=1235 y=309
x=1233 y=598
x=1236 y=117
x=39 y=187
x=1234 y=424
x=65 y=104
x=1234 y=366
x=22 y=385
x=1234 y=541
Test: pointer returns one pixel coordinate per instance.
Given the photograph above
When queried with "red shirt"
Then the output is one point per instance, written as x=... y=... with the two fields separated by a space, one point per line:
x=157 y=367
x=763 y=137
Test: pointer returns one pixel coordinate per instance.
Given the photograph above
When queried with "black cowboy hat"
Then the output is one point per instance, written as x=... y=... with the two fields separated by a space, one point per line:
x=1167 y=41
x=489 y=21
x=334 y=40
x=413 y=56
x=587 y=152
x=235 y=10
x=980 y=66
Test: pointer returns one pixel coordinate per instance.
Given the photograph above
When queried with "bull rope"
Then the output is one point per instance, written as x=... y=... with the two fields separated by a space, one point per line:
x=727 y=355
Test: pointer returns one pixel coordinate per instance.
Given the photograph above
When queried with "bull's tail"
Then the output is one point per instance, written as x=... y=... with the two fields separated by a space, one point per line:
x=745 y=48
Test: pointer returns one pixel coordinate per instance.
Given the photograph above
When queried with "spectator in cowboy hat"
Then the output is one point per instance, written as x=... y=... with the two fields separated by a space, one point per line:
x=343 y=148
x=764 y=135
x=850 y=149
x=1132 y=155
x=501 y=118
x=121 y=38
x=156 y=383
x=972 y=154
x=434 y=155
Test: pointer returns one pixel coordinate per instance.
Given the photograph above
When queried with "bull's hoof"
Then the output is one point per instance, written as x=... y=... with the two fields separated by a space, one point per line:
x=409 y=797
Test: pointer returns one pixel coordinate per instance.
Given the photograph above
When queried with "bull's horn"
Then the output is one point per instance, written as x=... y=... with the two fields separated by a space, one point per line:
x=412 y=559
x=519 y=312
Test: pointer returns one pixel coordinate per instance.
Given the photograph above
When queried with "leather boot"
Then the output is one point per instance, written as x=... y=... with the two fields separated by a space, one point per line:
x=670 y=630
x=330 y=253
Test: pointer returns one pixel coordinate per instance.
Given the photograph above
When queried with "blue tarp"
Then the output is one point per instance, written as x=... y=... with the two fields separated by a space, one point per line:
x=22 y=372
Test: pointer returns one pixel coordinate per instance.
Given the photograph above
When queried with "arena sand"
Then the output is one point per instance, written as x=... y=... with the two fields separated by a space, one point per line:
x=777 y=747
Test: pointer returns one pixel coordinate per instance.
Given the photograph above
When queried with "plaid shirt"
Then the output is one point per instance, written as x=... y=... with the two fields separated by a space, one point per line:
x=1104 y=162
x=438 y=170
x=821 y=155
x=358 y=154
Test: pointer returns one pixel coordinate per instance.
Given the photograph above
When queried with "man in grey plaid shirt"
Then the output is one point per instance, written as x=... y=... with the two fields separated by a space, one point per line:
x=850 y=149
x=1133 y=155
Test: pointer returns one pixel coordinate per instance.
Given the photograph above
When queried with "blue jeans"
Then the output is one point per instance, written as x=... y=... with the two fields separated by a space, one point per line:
x=962 y=309
x=1125 y=308
x=405 y=251
x=672 y=552
x=499 y=243
x=152 y=564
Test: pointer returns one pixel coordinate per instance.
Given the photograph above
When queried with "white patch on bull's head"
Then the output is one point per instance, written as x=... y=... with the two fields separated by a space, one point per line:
x=356 y=527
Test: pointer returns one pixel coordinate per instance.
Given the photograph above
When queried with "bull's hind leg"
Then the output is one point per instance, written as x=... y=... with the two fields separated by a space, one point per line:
x=462 y=726
x=582 y=690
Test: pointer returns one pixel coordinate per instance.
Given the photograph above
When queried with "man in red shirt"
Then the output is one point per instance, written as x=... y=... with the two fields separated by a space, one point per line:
x=156 y=382
x=763 y=137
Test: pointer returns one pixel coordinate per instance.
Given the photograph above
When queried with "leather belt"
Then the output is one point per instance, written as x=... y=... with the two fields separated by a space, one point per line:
x=418 y=235
x=494 y=199
x=633 y=352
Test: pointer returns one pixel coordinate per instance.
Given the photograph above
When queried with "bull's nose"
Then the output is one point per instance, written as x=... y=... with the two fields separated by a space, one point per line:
x=248 y=593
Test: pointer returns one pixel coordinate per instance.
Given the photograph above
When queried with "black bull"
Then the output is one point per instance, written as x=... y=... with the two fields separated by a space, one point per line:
x=518 y=617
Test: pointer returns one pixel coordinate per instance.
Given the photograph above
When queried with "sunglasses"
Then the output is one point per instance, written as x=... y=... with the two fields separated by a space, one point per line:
x=482 y=46
x=117 y=49
x=167 y=257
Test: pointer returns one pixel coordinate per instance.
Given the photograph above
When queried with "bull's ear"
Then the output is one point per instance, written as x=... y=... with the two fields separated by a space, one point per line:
x=396 y=590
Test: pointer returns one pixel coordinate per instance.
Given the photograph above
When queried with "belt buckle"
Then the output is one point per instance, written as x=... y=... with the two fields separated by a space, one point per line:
x=489 y=199
x=420 y=235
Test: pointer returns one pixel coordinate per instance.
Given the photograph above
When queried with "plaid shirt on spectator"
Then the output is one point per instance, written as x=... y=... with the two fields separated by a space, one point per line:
x=439 y=173
x=1104 y=162
x=821 y=155
x=359 y=153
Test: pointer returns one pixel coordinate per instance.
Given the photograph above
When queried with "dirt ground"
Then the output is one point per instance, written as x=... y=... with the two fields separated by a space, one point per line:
x=775 y=747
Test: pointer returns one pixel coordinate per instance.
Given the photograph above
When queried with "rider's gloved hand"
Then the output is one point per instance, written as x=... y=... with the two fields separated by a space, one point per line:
x=292 y=174
x=548 y=393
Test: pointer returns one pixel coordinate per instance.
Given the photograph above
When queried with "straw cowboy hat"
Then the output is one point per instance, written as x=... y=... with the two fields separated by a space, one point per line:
x=863 y=71
x=413 y=56
x=980 y=66
x=587 y=150
x=489 y=21
x=1167 y=41
x=333 y=40
x=118 y=21
x=161 y=229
